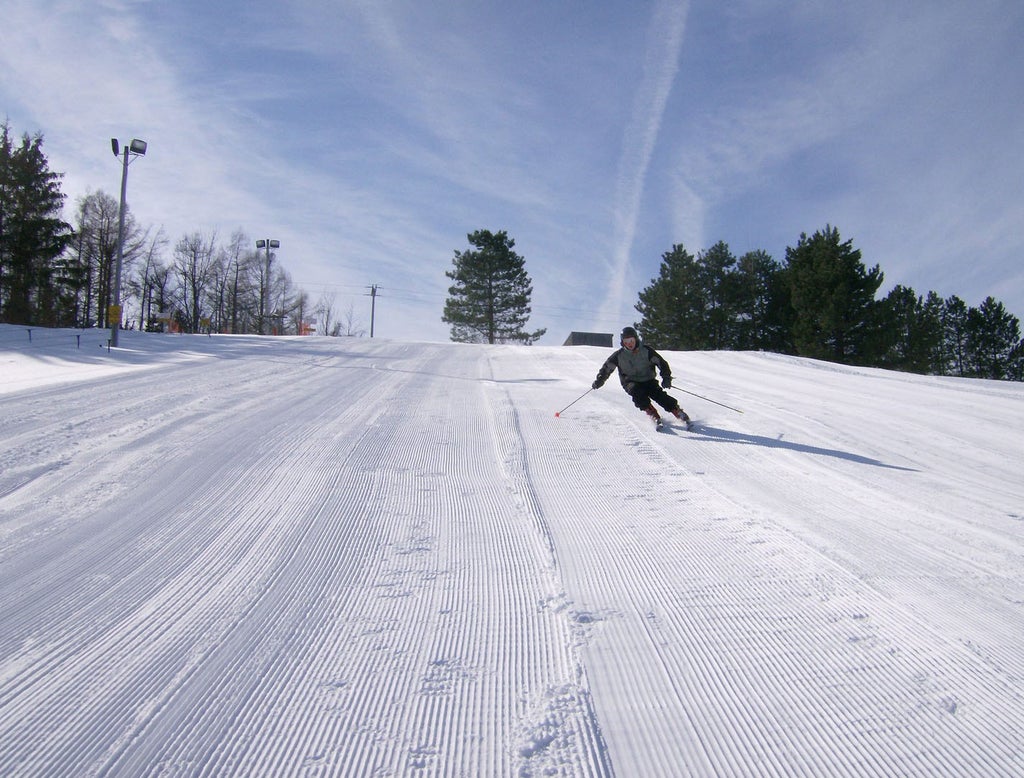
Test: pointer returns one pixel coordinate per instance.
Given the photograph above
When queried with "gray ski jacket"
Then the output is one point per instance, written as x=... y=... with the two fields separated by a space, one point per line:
x=634 y=367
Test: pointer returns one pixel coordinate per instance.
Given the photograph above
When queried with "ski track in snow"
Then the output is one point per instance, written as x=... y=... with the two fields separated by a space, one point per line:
x=336 y=557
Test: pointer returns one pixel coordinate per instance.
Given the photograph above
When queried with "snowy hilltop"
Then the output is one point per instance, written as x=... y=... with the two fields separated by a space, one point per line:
x=316 y=556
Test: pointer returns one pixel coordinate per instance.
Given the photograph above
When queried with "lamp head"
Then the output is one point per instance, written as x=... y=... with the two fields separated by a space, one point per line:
x=137 y=146
x=115 y=146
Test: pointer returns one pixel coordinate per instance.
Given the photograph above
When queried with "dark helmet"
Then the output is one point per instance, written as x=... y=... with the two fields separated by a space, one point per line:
x=629 y=332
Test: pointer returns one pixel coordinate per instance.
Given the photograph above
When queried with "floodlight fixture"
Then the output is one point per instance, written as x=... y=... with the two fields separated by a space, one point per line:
x=137 y=146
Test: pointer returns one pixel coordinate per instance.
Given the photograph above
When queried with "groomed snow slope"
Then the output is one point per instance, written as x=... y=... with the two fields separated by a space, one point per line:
x=247 y=556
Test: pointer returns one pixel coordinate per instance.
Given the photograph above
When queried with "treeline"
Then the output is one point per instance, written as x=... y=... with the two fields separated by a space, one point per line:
x=59 y=274
x=823 y=303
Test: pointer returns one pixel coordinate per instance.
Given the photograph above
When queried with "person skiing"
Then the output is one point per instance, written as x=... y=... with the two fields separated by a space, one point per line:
x=636 y=363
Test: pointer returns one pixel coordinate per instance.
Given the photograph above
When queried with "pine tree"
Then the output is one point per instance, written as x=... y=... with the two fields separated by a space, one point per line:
x=721 y=295
x=672 y=305
x=833 y=298
x=911 y=332
x=714 y=301
x=993 y=338
x=490 y=299
x=931 y=337
x=32 y=235
x=764 y=320
x=954 y=334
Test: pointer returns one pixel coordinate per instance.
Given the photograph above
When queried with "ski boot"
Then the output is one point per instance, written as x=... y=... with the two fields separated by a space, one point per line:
x=680 y=414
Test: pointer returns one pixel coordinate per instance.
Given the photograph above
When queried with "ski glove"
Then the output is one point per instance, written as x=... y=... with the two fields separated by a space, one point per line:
x=666 y=382
x=598 y=383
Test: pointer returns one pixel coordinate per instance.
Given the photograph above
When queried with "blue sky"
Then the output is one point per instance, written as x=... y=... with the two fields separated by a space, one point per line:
x=370 y=136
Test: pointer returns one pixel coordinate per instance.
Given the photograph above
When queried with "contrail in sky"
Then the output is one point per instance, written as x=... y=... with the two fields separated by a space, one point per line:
x=661 y=63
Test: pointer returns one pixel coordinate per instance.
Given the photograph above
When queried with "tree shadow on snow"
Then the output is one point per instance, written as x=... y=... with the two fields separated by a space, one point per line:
x=729 y=436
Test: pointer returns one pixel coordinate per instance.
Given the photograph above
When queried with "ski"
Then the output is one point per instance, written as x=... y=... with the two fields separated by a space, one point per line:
x=667 y=426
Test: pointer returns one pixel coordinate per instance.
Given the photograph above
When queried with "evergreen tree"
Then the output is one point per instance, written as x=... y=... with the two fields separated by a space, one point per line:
x=32 y=234
x=931 y=334
x=911 y=332
x=490 y=299
x=833 y=298
x=673 y=304
x=763 y=304
x=822 y=304
x=721 y=296
x=714 y=301
x=1015 y=369
x=993 y=338
x=954 y=335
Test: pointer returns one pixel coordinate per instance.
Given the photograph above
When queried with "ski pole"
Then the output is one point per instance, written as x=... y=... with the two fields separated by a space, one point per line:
x=567 y=407
x=706 y=398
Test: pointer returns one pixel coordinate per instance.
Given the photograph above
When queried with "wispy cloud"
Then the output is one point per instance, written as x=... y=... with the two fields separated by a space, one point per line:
x=890 y=132
x=106 y=75
x=370 y=136
x=661 y=64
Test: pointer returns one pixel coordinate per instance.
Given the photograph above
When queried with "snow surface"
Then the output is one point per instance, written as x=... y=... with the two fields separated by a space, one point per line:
x=282 y=556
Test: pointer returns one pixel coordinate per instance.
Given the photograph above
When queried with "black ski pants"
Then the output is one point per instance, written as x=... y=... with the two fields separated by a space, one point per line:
x=643 y=392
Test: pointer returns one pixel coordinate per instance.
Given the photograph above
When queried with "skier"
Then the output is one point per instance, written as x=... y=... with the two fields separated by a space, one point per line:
x=636 y=363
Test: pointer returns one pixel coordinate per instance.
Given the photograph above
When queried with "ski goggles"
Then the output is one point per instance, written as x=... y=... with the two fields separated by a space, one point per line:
x=629 y=343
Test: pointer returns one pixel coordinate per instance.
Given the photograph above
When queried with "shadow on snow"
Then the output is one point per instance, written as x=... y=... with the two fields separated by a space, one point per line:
x=729 y=436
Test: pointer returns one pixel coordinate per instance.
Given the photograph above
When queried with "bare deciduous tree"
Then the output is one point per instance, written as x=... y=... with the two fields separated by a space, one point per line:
x=195 y=266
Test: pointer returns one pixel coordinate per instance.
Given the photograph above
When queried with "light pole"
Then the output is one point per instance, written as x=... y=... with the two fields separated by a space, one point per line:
x=268 y=244
x=136 y=148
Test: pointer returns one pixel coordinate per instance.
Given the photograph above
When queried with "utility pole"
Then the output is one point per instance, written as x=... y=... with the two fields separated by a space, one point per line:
x=373 y=306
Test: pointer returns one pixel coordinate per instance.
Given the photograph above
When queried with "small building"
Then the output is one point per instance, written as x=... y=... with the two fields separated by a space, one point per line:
x=589 y=339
